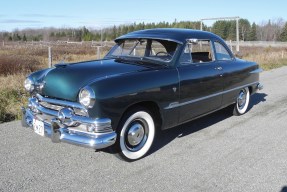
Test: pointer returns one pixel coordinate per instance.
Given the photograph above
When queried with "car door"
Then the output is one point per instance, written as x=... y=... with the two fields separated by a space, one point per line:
x=233 y=72
x=200 y=80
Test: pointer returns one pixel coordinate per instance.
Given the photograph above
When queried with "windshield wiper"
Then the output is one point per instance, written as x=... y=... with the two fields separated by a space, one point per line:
x=141 y=60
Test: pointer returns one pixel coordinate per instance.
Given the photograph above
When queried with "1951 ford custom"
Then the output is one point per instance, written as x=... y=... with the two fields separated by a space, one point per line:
x=150 y=80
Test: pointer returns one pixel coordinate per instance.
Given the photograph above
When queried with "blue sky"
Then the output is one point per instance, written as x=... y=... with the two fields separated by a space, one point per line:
x=95 y=14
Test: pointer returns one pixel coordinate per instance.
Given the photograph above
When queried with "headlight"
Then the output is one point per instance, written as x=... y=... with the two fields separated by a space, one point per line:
x=29 y=84
x=87 y=97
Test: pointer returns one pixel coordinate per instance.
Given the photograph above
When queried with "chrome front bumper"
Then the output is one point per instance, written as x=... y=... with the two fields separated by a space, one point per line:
x=77 y=135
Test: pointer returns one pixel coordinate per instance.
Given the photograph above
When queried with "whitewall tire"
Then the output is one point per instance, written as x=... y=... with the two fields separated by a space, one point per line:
x=242 y=102
x=136 y=135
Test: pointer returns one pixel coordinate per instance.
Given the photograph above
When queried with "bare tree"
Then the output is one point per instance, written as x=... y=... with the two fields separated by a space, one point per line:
x=271 y=30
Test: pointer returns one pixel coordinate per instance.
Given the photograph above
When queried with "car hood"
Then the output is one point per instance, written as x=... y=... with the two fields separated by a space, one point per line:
x=66 y=80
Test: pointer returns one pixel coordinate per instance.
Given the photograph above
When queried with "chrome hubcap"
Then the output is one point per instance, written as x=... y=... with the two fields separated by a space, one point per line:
x=135 y=134
x=241 y=100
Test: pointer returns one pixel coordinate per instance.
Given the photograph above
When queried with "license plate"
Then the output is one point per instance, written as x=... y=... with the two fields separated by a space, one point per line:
x=38 y=127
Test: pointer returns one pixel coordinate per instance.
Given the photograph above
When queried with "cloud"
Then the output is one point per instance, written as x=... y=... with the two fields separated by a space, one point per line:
x=44 y=16
x=111 y=21
x=19 y=21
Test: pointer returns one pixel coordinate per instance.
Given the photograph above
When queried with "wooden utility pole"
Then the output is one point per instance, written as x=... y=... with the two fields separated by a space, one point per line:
x=98 y=52
x=226 y=18
x=49 y=57
x=237 y=34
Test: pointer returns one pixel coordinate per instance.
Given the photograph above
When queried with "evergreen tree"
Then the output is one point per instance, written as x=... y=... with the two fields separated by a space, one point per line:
x=225 y=29
x=252 y=33
x=244 y=28
x=231 y=31
x=24 y=37
x=114 y=32
x=283 y=35
x=221 y=28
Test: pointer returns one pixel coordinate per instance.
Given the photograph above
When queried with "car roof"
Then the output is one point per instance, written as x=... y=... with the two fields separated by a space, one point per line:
x=171 y=34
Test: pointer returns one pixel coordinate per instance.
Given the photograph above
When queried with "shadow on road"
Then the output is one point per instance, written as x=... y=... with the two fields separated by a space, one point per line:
x=165 y=137
x=256 y=99
x=284 y=189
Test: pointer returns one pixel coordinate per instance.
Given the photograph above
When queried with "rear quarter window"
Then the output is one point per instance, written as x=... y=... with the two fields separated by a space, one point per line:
x=221 y=52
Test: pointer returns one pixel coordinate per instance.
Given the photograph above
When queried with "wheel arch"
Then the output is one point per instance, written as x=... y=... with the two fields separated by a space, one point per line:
x=151 y=106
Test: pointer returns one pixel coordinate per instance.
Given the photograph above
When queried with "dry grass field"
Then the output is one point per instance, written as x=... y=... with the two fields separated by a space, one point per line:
x=17 y=61
x=268 y=57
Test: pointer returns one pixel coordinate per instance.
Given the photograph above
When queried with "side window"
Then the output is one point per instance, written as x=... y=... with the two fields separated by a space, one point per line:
x=157 y=48
x=197 y=52
x=163 y=50
x=221 y=52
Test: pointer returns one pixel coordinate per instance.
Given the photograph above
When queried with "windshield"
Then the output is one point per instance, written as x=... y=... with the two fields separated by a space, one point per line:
x=151 y=49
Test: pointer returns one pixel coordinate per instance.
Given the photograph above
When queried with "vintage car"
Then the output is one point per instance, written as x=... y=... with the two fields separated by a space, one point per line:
x=150 y=80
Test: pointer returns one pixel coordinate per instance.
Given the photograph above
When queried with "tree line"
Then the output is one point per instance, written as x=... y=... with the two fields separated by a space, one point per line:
x=272 y=30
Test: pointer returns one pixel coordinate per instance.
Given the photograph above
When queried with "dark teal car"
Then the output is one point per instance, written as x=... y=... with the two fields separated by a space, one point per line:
x=150 y=80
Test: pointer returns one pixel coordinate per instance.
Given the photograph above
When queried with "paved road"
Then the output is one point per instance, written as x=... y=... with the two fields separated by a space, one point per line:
x=219 y=152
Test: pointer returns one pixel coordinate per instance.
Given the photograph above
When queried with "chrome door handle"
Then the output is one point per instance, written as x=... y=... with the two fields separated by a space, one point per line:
x=218 y=68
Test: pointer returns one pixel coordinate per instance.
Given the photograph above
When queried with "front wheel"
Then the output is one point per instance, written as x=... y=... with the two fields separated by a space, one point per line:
x=242 y=102
x=135 y=135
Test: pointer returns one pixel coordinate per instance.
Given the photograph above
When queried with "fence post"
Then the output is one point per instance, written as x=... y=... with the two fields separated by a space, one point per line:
x=3 y=43
x=98 y=52
x=49 y=57
x=237 y=34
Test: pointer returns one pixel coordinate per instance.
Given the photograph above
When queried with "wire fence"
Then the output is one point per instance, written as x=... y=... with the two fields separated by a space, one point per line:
x=51 y=52
x=262 y=44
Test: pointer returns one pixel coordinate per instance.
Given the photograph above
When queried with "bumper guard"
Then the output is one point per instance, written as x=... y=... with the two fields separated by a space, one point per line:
x=77 y=135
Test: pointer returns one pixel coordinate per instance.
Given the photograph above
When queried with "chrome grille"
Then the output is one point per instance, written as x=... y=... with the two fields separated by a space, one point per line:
x=51 y=106
x=54 y=107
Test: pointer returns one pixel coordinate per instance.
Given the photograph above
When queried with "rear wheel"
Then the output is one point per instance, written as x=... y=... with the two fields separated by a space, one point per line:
x=242 y=102
x=135 y=135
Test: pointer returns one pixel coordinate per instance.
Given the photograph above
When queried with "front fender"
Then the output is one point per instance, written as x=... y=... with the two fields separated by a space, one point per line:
x=116 y=94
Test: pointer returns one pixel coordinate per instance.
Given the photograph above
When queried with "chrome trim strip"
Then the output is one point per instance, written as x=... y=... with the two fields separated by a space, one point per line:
x=60 y=102
x=259 y=70
x=177 y=104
